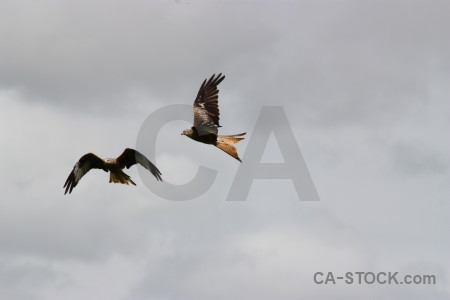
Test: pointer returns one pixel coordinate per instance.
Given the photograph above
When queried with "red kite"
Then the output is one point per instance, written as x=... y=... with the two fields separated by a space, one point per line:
x=90 y=161
x=206 y=119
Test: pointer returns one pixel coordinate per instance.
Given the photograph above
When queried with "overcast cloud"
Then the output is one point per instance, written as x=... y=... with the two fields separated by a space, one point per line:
x=364 y=84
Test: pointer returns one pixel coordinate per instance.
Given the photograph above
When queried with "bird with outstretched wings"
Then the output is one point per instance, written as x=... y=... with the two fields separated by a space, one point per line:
x=206 y=119
x=128 y=158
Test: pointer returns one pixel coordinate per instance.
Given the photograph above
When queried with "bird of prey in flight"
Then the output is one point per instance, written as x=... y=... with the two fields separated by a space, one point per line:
x=206 y=119
x=128 y=158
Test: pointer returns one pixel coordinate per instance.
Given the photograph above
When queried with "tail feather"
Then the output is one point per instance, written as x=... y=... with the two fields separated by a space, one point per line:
x=223 y=143
x=229 y=149
x=230 y=139
x=120 y=177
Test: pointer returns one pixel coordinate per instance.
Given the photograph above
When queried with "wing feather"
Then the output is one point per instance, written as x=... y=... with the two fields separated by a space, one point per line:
x=85 y=164
x=206 y=107
x=130 y=157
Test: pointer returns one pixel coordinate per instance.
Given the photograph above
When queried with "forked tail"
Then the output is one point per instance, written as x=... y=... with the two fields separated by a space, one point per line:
x=119 y=176
x=224 y=141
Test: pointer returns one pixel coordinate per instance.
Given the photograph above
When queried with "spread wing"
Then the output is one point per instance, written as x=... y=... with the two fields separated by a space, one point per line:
x=131 y=157
x=87 y=162
x=206 y=108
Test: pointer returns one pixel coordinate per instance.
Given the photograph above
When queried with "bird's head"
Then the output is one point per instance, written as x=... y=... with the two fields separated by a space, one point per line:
x=187 y=132
x=109 y=160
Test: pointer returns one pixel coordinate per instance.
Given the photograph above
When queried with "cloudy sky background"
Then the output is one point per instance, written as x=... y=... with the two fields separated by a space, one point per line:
x=365 y=86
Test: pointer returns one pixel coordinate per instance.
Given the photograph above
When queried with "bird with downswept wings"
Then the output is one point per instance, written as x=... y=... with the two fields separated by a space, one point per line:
x=128 y=158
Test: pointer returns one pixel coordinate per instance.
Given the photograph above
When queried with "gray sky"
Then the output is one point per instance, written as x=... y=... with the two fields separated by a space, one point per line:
x=365 y=85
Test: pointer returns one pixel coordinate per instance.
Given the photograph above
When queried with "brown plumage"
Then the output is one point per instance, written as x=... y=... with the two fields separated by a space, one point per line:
x=128 y=158
x=206 y=119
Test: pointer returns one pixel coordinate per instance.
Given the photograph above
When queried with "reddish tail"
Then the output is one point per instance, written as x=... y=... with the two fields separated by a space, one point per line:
x=120 y=177
x=224 y=141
